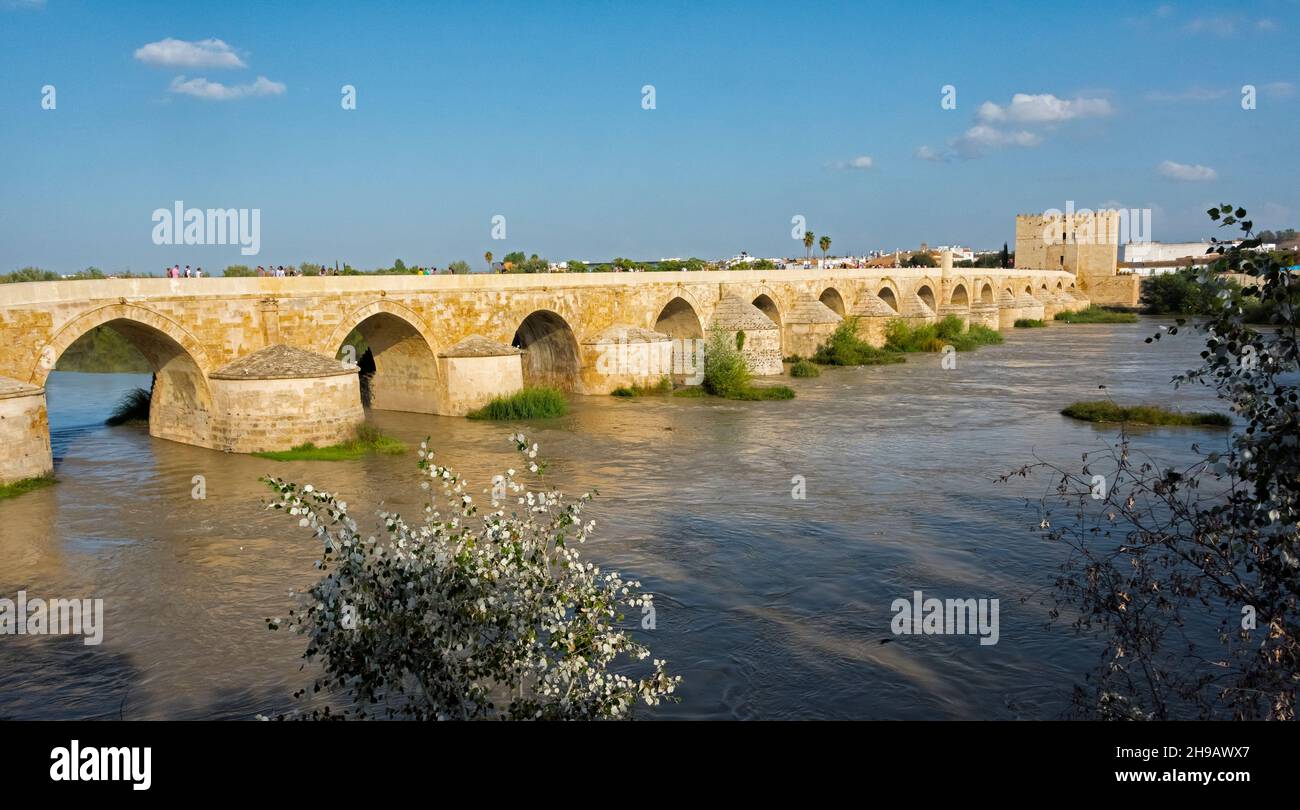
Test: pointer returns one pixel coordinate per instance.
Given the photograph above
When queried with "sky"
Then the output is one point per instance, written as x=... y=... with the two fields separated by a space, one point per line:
x=539 y=113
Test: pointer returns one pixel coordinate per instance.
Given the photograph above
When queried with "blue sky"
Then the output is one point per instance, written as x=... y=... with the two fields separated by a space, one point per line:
x=533 y=111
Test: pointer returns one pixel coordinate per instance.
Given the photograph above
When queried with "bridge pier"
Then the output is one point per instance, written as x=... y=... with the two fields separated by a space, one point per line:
x=474 y=372
x=280 y=397
x=24 y=432
x=808 y=326
x=761 y=344
x=623 y=356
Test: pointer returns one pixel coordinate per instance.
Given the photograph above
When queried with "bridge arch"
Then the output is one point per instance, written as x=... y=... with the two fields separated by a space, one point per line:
x=399 y=370
x=959 y=297
x=550 y=350
x=181 y=403
x=886 y=293
x=679 y=319
x=768 y=306
x=831 y=298
x=986 y=293
x=926 y=293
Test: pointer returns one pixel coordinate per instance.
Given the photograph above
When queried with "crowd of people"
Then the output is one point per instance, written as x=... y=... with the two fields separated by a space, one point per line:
x=280 y=271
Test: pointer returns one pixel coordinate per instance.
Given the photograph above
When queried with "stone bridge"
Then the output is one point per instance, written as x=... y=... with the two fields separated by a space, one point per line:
x=251 y=364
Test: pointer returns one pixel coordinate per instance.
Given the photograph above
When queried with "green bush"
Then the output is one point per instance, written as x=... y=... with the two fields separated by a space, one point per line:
x=845 y=348
x=757 y=393
x=1029 y=323
x=1177 y=293
x=900 y=336
x=1096 y=314
x=1107 y=411
x=804 y=368
x=725 y=372
x=664 y=386
x=528 y=403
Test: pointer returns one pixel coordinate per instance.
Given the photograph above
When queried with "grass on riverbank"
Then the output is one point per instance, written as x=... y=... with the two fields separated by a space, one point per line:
x=1107 y=411
x=537 y=402
x=133 y=408
x=664 y=386
x=1029 y=323
x=366 y=441
x=16 y=488
x=901 y=336
x=845 y=348
x=1096 y=314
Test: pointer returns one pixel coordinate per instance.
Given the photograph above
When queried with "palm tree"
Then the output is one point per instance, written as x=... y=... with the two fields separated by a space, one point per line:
x=825 y=245
x=808 y=238
x=488 y=257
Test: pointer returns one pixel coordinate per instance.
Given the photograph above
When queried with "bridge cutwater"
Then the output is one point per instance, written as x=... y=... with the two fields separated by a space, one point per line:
x=251 y=364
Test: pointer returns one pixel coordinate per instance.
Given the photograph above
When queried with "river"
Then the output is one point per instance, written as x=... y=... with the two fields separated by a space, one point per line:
x=768 y=606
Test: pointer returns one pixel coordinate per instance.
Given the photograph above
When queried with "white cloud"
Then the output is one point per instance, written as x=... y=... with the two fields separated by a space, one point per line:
x=861 y=162
x=1043 y=108
x=216 y=91
x=1186 y=173
x=1266 y=25
x=983 y=137
x=926 y=153
x=23 y=4
x=1279 y=88
x=206 y=53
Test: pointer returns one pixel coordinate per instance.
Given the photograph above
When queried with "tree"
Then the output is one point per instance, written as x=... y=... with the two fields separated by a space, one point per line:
x=825 y=245
x=1004 y=258
x=238 y=271
x=469 y=614
x=808 y=238
x=576 y=266
x=29 y=274
x=458 y=268
x=1180 y=293
x=921 y=260
x=1162 y=556
x=487 y=257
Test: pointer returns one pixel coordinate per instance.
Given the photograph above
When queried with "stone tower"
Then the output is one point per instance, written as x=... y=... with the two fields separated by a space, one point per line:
x=1082 y=242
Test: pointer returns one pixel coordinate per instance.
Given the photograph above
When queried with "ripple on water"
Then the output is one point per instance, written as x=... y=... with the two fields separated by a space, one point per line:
x=769 y=606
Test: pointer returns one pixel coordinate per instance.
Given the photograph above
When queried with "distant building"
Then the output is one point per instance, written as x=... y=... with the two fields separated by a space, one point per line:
x=1153 y=258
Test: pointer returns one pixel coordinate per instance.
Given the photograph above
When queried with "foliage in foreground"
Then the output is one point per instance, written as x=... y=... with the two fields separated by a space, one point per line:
x=1107 y=411
x=465 y=615
x=133 y=408
x=16 y=488
x=844 y=348
x=1096 y=314
x=535 y=402
x=1160 y=558
x=1029 y=323
x=367 y=440
x=900 y=336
